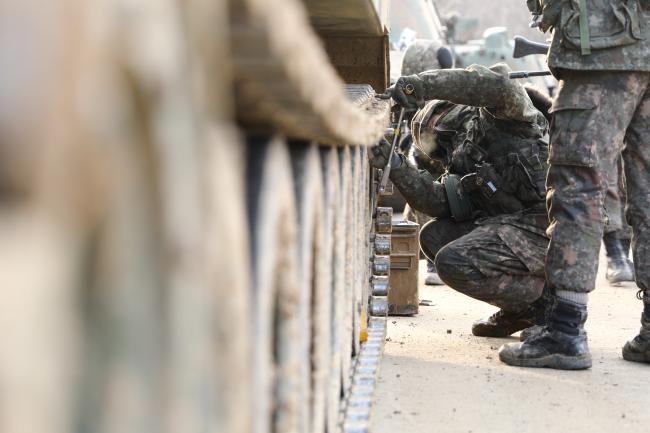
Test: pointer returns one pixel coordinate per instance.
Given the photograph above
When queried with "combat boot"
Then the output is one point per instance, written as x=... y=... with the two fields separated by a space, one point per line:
x=638 y=349
x=547 y=302
x=504 y=323
x=432 y=278
x=562 y=344
x=619 y=266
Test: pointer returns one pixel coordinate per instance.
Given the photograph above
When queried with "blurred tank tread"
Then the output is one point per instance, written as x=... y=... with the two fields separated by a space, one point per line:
x=300 y=96
x=213 y=268
x=360 y=94
x=357 y=409
x=363 y=96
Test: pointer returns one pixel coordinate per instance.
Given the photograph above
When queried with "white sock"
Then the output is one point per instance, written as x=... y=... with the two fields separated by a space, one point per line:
x=575 y=297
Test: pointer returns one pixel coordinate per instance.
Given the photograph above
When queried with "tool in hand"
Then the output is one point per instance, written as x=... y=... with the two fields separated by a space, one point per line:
x=386 y=171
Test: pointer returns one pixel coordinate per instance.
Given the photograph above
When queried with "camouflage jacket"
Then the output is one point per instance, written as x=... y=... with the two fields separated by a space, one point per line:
x=477 y=121
x=619 y=36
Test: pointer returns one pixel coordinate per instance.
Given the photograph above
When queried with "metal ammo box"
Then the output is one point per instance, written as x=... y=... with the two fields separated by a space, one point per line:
x=403 y=299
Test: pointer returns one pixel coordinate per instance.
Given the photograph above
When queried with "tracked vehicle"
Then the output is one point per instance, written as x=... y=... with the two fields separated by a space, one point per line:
x=192 y=238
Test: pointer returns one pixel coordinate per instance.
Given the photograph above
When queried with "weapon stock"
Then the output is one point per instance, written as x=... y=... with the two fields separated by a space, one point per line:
x=525 y=47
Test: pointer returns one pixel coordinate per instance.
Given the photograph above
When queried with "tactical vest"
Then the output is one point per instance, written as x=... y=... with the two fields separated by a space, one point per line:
x=467 y=138
x=601 y=35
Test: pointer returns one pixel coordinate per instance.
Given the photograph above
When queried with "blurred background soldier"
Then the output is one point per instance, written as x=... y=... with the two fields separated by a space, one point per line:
x=600 y=52
x=488 y=232
x=618 y=233
x=423 y=55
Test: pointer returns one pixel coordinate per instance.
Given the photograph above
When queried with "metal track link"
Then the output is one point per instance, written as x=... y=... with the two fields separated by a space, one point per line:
x=365 y=373
x=358 y=407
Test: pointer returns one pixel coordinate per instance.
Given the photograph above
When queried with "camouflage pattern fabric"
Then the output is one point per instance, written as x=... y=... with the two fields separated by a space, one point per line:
x=479 y=86
x=615 y=204
x=499 y=256
x=479 y=260
x=620 y=37
x=435 y=168
x=497 y=117
x=420 y=190
x=594 y=113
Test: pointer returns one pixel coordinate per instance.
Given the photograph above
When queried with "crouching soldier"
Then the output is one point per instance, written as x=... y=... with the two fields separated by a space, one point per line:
x=487 y=238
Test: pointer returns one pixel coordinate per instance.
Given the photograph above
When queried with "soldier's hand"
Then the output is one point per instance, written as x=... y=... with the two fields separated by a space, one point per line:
x=408 y=92
x=380 y=153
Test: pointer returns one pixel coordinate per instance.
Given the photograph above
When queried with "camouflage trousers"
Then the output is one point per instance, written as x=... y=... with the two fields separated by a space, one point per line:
x=594 y=114
x=615 y=204
x=477 y=261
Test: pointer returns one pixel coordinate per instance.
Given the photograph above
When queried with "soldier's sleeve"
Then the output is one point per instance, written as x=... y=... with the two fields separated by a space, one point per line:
x=420 y=190
x=479 y=86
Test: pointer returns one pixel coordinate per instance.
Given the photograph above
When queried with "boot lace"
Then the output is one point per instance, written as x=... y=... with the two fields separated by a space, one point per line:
x=498 y=315
x=507 y=316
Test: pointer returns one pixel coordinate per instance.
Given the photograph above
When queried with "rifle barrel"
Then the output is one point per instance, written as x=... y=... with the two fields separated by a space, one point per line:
x=526 y=74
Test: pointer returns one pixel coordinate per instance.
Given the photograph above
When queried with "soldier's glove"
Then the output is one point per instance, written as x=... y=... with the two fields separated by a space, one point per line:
x=380 y=153
x=408 y=92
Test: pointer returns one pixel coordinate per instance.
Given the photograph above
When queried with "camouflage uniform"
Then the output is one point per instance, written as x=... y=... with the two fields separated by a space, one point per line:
x=615 y=204
x=603 y=98
x=600 y=53
x=479 y=118
x=422 y=55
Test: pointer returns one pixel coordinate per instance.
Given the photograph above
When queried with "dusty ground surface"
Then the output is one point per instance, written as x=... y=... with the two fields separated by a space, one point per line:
x=437 y=377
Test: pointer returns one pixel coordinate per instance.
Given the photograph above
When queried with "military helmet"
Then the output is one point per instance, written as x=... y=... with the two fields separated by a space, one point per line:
x=423 y=127
x=424 y=54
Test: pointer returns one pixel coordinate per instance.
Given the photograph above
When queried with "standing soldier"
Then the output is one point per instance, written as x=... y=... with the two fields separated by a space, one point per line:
x=618 y=234
x=601 y=54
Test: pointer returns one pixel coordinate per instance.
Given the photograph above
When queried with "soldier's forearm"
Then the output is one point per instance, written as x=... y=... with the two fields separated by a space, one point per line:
x=475 y=86
x=420 y=190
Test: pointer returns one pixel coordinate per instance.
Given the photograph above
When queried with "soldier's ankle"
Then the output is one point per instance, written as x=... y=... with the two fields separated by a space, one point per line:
x=579 y=298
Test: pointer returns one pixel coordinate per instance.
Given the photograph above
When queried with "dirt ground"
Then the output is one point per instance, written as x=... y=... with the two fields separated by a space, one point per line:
x=437 y=377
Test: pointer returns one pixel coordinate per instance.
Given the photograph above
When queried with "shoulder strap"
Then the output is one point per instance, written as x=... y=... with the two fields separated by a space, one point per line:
x=585 y=45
